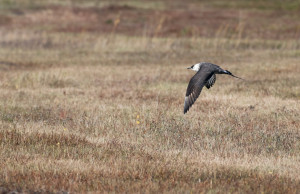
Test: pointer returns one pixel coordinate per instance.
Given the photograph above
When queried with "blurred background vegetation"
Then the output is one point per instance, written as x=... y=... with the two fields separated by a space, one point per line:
x=91 y=96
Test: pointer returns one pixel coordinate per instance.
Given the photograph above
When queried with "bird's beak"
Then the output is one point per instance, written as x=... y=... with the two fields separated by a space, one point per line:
x=189 y=68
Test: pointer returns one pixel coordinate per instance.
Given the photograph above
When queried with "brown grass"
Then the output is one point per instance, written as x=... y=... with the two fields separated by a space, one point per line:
x=103 y=112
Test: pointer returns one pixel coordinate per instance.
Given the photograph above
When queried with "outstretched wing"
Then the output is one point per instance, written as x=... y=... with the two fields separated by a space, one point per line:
x=193 y=90
x=211 y=81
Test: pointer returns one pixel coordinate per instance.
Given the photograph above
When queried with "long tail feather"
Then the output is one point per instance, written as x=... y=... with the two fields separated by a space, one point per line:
x=229 y=73
x=238 y=77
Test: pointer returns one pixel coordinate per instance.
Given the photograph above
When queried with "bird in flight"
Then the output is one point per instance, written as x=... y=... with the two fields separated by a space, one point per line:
x=205 y=76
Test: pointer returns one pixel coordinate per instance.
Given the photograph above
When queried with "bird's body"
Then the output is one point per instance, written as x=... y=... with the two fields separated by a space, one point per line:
x=205 y=76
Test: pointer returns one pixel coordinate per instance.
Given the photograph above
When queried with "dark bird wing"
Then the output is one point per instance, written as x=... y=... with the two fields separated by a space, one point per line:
x=211 y=81
x=194 y=89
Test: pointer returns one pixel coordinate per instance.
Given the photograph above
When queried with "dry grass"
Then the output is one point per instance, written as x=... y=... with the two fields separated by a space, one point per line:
x=94 y=112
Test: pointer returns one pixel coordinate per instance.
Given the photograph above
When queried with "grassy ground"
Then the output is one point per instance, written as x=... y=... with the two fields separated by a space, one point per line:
x=91 y=106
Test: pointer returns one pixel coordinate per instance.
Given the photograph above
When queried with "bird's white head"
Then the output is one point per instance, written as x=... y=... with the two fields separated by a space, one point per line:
x=195 y=67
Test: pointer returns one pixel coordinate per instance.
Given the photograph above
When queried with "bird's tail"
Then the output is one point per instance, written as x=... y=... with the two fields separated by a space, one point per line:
x=229 y=73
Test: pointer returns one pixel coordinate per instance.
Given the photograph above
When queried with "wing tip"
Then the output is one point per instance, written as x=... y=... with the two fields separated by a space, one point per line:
x=186 y=106
x=185 y=111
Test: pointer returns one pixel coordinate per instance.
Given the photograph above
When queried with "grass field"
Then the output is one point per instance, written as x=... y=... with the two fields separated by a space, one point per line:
x=92 y=93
